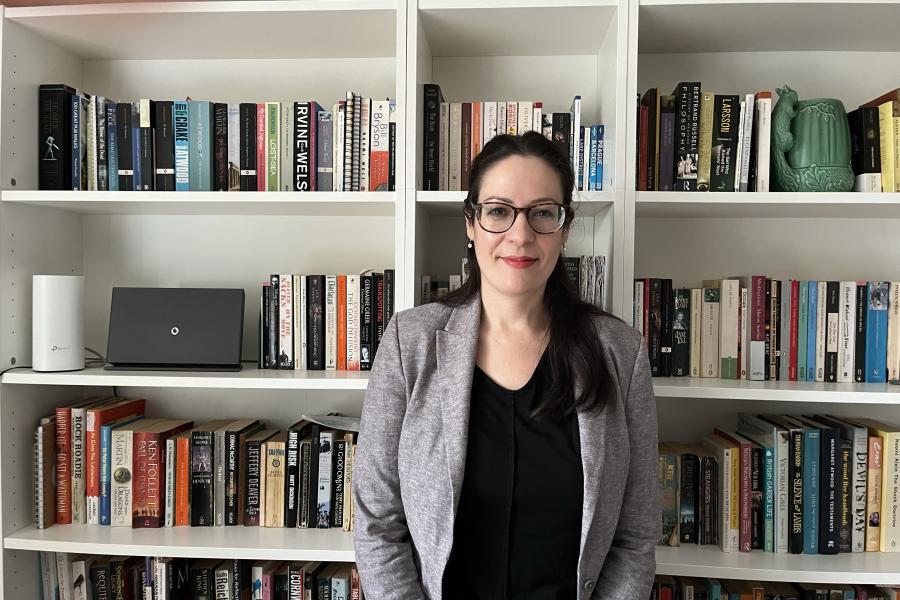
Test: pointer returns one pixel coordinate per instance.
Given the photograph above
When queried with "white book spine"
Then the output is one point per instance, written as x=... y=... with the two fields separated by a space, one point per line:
x=893 y=341
x=234 y=147
x=867 y=182
x=638 y=314
x=490 y=121
x=170 y=483
x=348 y=482
x=92 y=150
x=120 y=479
x=64 y=575
x=525 y=113
x=304 y=361
x=444 y=147
x=299 y=362
x=782 y=491
x=352 y=322
x=820 y=330
x=323 y=494
x=454 y=159
x=859 y=483
x=512 y=118
x=161 y=590
x=764 y=132
x=576 y=128
x=537 y=116
x=890 y=492
x=746 y=142
x=847 y=332
x=286 y=146
x=219 y=485
x=81 y=589
x=286 y=320
x=365 y=136
x=501 y=118
x=330 y=323
x=709 y=343
x=744 y=344
x=739 y=148
x=49 y=579
x=696 y=331
x=79 y=508
x=337 y=154
x=256 y=573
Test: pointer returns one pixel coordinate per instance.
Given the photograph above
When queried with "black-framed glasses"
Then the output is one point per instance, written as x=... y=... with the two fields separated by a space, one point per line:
x=498 y=217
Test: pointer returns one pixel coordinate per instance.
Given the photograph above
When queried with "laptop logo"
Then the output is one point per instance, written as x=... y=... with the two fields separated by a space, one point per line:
x=174 y=331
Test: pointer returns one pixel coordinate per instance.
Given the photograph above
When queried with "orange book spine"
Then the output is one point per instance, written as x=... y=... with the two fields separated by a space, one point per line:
x=476 y=128
x=182 y=480
x=342 y=323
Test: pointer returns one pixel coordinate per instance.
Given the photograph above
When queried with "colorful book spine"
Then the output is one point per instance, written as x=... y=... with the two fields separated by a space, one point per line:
x=879 y=293
x=182 y=146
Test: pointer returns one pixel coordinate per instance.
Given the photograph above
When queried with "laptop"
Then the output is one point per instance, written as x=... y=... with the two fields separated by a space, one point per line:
x=190 y=329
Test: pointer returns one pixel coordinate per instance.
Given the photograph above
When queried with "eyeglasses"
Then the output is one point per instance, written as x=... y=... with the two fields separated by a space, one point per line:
x=498 y=217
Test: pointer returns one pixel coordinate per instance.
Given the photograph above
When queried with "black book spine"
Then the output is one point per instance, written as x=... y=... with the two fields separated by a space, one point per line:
x=388 y=295
x=829 y=481
x=687 y=120
x=117 y=578
x=78 y=145
x=767 y=371
x=202 y=583
x=232 y=460
x=312 y=474
x=274 y=322
x=241 y=573
x=337 y=482
x=710 y=502
x=125 y=143
x=248 y=146
x=366 y=319
x=392 y=157
x=780 y=346
x=378 y=325
x=255 y=472
x=102 y=148
x=55 y=137
x=667 y=313
x=795 y=473
x=845 y=496
x=267 y=326
x=431 y=133
x=220 y=147
x=292 y=479
x=147 y=163
x=757 y=520
x=832 y=308
x=304 y=482
x=865 y=154
x=690 y=467
x=100 y=581
x=301 y=156
x=202 y=469
x=572 y=265
x=560 y=131
x=654 y=341
x=180 y=579
x=315 y=322
x=681 y=331
x=724 y=143
x=859 y=353
x=165 y=147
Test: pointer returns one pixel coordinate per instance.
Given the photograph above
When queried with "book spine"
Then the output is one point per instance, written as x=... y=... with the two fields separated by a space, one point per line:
x=689 y=478
x=232 y=477
x=832 y=307
x=878 y=296
x=262 y=149
x=367 y=301
x=829 y=509
x=379 y=321
x=91 y=122
x=811 y=461
x=55 y=152
x=341 y=322
x=821 y=328
x=859 y=332
x=121 y=469
x=379 y=143
x=337 y=479
x=124 y=143
x=202 y=465
x=680 y=331
x=353 y=323
x=304 y=485
x=301 y=161
x=315 y=306
x=275 y=475
x=169 y=520
x=356 y=143
x=331 y=322
x=165 y=146
x=794 y=325
x=696 y=327
x=112 y=142
x=220 y=147
x=254 y=477
x=274 y=321
x=148 y=467
x=813 y=307
x=729 y=311
x=802 y=328
x=105 y=471
x=687 y=134
x=292 y=479
x=845 y=496
x=873 y=493
x=325 y=152
x=746 y=141
x=285 y=321
x=392 y=146
x=248 y=146
x=182 y=480
x=273 y=149
x=323 y=497
x=181 y=148
x=365 y=124
x=707 y=115
x=301 y=352
x=219 y=458
x=431 y=137
x=757 y=504
x=795 y=473
x=763 y=125
x=846 y=328
x=348 y=482
x=79 y=508
x=146 y=145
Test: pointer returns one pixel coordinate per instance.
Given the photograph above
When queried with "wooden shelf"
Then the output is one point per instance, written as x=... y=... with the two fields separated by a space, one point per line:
x=248 y=378
x=449 y=204
x=254 y=543
x=776 y=391
x=217 y=29
x=876 y=568
x=699 y=205
x=311 y=204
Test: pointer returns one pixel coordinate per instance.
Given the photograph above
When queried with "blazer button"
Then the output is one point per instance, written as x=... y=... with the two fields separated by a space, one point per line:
x=588 y=585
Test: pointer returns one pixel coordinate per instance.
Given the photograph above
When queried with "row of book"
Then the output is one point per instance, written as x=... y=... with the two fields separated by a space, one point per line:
x=90 y=142
x=667 y=587
x=758 y=328
x=100 y=461
x=814 y=484
x=693 y=140
x=67 y=576
x=324 y=322
x=455 y=132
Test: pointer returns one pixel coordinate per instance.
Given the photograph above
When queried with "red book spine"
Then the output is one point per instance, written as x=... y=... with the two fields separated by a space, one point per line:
x=795 y=324
x=355 y=586
x=96 y=418
x=148 y=469
x=262 y=159
x=758 y=308
x=63 y=465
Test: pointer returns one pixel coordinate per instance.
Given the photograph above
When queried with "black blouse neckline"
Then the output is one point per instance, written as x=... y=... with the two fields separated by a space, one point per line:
x=528 y=384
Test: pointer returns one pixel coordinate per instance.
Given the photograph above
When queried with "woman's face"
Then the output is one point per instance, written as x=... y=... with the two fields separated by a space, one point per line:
x=518 y=261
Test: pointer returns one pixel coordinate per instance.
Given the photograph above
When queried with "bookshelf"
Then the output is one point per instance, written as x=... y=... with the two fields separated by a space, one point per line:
x=239 y=50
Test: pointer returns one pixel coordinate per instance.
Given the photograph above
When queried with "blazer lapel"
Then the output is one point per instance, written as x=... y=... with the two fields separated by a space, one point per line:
x=456 y=348
x=592 y=432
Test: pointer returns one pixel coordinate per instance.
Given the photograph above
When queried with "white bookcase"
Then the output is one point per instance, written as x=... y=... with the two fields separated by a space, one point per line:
x=548 y=50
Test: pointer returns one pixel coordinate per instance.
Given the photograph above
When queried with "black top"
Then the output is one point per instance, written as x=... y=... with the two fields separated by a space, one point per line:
x=517 y=532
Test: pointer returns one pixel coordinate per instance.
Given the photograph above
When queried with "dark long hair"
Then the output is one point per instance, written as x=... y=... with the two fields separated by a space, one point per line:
x=574 y=346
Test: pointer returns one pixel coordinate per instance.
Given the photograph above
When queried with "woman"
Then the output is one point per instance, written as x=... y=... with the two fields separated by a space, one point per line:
x=508 y=438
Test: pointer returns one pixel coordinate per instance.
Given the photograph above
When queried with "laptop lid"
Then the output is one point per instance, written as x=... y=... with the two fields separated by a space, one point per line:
x=176 y=328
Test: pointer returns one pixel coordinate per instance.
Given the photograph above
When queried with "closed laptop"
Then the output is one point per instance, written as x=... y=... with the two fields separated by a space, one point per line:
x=175 y=328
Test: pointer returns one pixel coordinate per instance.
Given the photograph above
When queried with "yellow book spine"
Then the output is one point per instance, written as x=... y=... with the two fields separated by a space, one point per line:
x=887 y=146
x=708 y=100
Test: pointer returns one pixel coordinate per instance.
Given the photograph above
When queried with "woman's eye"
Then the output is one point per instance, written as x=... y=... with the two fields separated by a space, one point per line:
x=497 y=212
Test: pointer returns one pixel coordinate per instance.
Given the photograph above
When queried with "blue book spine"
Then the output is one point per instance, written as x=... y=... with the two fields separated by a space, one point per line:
x=599 y=158
x=181 y=128
x=112 y=146
x=810 y=490
x=207 y=120
x=811 y=331
x=105 y=477
x=136 y=143
x=714 y=588
x=76 y=141
x=802 y=326
x=592 y=168
x=200 y=161
x=876 y=331
x=769 y=499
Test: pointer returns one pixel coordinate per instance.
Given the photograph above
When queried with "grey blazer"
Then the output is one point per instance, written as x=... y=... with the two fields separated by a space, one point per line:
x=409 y=464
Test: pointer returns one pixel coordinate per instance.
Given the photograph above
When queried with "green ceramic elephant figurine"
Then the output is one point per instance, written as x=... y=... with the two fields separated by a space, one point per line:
x=810 y=145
